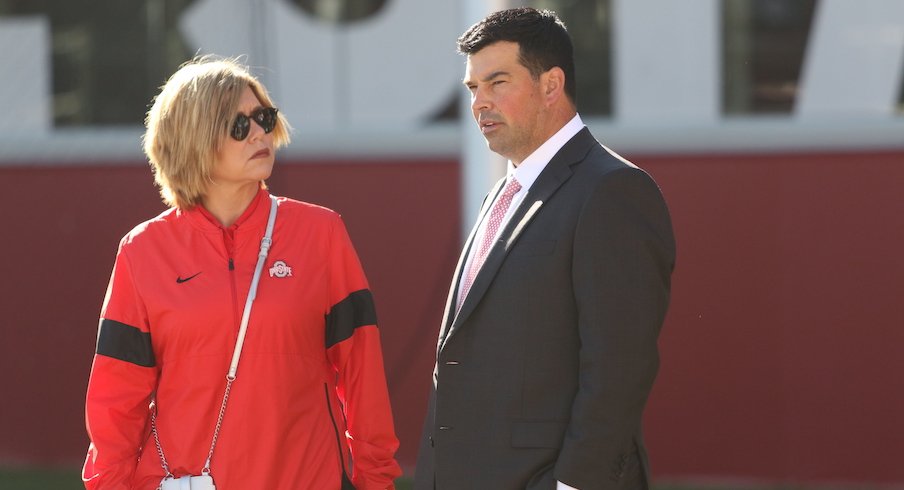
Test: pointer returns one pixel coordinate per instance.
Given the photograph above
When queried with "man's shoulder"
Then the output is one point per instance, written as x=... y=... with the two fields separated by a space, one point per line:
x=601 y=167
x=600 y=160
x=584 y=147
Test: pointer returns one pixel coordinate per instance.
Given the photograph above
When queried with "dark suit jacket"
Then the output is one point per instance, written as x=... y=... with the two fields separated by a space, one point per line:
x=544 y=373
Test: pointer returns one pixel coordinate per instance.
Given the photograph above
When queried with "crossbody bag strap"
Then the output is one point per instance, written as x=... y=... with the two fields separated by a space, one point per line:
x=266 y=241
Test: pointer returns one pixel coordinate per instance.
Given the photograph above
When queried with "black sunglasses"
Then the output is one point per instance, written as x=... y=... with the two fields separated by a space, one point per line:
x=265 y=117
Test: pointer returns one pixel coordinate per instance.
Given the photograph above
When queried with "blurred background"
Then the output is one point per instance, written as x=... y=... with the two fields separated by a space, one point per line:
x=775 y=129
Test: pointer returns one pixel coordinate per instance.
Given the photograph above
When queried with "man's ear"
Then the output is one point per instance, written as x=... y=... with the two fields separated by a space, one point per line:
x=553 y=83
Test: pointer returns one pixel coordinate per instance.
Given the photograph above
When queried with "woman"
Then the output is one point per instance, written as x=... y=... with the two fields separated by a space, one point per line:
x=309 y=397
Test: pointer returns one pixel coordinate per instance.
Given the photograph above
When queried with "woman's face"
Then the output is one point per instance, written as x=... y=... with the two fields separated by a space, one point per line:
x=249 y=161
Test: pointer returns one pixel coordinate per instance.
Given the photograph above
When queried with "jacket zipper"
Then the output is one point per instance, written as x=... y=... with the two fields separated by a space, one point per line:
x=229 y=243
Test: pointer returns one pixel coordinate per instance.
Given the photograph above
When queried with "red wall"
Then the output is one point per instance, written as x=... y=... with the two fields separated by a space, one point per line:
x=781 y=353
x=784 y=347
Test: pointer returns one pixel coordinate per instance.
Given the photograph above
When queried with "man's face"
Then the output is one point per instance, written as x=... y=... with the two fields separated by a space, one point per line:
x=507 y=103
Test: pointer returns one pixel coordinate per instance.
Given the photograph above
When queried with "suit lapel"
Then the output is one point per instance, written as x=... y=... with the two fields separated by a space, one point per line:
x=549 y=181
x=452 y=297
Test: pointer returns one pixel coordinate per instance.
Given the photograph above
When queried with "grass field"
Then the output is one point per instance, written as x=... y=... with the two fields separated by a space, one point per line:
x=70 y=479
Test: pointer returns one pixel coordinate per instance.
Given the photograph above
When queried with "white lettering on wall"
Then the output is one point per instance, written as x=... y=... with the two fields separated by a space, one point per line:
x=666 y=62
x=25 y=83
x=392 y=71
x=853 y=63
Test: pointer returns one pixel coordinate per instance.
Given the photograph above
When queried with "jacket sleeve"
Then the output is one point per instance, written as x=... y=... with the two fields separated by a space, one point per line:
x=624 y=253
x=123 y=375
x=353 y=347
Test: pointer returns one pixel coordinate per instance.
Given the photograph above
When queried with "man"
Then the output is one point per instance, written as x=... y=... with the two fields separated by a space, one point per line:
x=547 y=351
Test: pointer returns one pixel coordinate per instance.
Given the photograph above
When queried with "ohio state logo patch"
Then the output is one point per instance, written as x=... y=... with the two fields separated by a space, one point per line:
x=280 y=269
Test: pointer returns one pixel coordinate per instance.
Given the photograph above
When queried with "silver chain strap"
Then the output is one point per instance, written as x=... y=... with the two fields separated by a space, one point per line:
x=213 y=442
x=216 y=431
x=157 y=441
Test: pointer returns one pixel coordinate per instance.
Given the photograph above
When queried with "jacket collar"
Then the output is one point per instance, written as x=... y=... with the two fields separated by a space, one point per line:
x=253 y=218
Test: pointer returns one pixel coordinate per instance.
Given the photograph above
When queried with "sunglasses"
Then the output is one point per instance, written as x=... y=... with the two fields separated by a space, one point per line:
x=265 y=117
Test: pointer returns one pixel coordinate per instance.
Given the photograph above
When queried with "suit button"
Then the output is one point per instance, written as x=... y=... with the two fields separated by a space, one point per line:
x=451 y=363
x=445 y=427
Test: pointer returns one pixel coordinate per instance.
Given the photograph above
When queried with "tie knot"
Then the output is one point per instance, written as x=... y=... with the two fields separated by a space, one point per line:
x=511 y=188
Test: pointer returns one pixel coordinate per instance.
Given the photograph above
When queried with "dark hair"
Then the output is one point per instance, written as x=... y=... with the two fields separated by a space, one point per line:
x=542 y=39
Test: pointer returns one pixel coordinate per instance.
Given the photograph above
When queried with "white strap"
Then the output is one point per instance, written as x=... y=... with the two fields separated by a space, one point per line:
x=266 y=241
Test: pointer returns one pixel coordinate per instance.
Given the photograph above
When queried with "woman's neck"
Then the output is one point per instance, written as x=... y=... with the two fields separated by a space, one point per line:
x=227 y=204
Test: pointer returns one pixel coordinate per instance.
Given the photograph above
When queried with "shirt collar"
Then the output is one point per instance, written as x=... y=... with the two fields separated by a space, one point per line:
x=530 y=168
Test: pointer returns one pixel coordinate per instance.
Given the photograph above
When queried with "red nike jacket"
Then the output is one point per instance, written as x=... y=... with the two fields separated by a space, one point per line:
x=309 y=402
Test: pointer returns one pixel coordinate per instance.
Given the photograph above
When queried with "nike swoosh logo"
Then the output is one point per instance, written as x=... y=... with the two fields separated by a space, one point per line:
x=179 y=279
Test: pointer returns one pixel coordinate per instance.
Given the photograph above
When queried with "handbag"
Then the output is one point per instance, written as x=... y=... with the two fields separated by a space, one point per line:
x=204 y=481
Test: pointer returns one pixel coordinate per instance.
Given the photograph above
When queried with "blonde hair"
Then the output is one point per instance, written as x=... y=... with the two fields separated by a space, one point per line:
x=189 y=120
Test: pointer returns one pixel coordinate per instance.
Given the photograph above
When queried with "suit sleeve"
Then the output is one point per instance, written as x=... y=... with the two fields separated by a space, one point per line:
x=123 y=375
x=353 y=347
x=623 y=258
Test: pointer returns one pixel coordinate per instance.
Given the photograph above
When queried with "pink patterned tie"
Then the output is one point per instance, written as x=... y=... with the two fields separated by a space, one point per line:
x=489 y=233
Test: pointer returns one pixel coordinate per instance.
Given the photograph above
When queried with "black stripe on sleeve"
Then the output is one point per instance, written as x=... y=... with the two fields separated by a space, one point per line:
x=357 y=310
x=126 y=343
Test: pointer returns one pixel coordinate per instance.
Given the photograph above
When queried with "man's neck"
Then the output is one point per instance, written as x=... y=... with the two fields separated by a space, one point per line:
x=555 y=121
